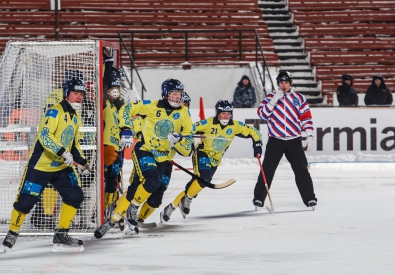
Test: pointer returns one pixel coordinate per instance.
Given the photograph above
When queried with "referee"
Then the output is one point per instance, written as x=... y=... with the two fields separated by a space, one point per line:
x=287 y=114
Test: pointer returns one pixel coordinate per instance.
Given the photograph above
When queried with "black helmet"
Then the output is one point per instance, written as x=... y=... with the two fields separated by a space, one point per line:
x=118 y=73
x=284 y=76
x=186 y=99
x=75 y=85
x=223 y=106
x=171 y=85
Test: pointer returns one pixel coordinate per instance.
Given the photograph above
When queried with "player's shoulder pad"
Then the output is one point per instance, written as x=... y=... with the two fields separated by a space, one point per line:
x=145 y=102
x=203 y=122
x=240 y=123
x=51 y=113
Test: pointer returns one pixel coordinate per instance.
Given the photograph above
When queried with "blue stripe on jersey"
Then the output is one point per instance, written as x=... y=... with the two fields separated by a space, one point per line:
x=51 y=113
x=145 y=102
x=203 y=122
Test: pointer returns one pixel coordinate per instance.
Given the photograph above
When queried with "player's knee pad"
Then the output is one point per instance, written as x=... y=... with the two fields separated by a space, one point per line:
x=25 y=203
x=75 y=197
x=155 y=199
x=152 y=182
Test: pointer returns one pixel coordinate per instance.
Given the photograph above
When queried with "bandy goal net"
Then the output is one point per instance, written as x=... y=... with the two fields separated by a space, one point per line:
x=31 y=79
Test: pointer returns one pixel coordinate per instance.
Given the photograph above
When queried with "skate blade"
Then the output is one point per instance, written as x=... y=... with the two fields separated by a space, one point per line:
x=162 y=220
x=67 y=248
x=6 y=248
x=131 y=228
x=182 y=212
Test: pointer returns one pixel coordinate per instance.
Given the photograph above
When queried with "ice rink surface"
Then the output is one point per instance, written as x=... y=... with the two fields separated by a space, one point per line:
x=351 y=230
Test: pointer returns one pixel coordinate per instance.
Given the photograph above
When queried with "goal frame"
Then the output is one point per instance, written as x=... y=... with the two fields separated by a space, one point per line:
x=99 y=101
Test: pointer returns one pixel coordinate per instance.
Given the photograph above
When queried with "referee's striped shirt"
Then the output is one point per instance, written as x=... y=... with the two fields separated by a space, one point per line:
x=289 y=117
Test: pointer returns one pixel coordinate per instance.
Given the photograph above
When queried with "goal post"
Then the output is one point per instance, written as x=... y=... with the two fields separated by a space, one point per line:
x=31 y=79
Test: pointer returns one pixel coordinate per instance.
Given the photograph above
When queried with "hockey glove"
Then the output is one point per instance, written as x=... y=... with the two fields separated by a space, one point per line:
x=279 y=94
x=126 y=138
x=68 y=158
x=174 y=137
x=107 y=52
x=309 y=143
x=125 y=95
x=110 y=155
x=84 y=170
x=257 y=148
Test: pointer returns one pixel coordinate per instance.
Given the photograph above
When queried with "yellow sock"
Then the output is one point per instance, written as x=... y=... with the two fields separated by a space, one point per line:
x=178 y=199
x=109 y=198
x=120 y=210
x=145 y=211
x=194 y=189
x=49 y=200
x=67 y=213
x=17 y=219
x=140 y=196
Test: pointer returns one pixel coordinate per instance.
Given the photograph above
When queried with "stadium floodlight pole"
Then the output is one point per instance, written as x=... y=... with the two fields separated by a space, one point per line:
x=271 y=210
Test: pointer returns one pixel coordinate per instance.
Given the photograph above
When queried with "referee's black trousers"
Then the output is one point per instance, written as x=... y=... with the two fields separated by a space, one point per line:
x=293 y=151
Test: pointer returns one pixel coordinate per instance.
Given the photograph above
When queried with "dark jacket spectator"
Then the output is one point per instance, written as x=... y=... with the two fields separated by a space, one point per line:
x=378 y=93
x=346 y=94
x=244 y=96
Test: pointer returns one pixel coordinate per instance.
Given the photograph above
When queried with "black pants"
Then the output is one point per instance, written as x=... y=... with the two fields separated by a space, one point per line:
x=293 y=151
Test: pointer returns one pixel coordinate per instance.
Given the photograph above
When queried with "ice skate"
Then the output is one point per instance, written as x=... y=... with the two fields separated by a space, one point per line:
x=184 y=205
x=108 y=211
x=166 y=213
x=121 y=224
x=10 y=240
x=103 y=229
x=312 y=204
x=63 y=242
x=131 y=214
x=257 y=204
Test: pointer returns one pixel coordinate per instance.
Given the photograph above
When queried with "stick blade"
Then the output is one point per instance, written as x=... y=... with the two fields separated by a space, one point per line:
x=221 y=185
x=271 y=210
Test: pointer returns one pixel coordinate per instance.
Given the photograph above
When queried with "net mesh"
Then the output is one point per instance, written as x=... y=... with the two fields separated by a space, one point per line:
x=31 y=79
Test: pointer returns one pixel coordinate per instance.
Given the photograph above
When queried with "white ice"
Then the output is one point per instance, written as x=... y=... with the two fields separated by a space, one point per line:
x=350 y=232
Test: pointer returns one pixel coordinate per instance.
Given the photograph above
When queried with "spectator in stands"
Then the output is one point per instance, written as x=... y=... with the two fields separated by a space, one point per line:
x=378 y=93
x=346 y=94
x=244 y=96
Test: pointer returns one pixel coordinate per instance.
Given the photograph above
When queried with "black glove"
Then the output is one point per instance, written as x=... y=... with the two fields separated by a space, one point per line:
x=257 y=148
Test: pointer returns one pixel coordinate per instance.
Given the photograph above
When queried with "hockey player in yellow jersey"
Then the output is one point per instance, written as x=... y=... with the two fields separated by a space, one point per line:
x=111 y=139
x=155 y=199
x=43 y=214
x=218 y=132
x=52 y=160
x=164 y=123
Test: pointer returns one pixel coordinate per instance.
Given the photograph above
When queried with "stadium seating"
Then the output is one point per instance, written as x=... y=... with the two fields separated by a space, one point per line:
x=220 y=22
x=348 y=43
x=339 y=5
x=348 y=37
